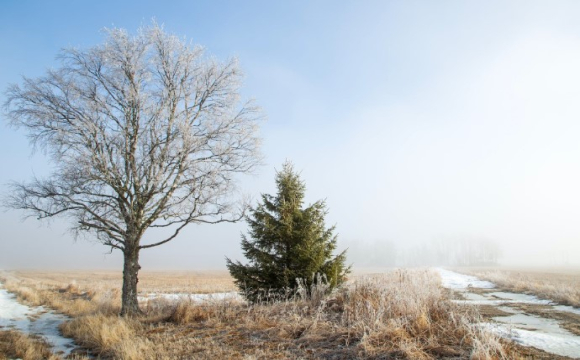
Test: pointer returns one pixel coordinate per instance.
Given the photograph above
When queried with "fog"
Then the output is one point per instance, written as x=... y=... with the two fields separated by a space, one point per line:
x=432 y=129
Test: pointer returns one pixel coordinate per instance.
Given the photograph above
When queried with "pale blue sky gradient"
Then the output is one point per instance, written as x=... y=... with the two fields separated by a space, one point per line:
x=416 y=120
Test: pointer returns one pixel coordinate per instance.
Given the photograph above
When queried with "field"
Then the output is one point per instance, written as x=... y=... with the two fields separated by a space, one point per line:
x=149 y=281
x=558 y=284
x=402 y=314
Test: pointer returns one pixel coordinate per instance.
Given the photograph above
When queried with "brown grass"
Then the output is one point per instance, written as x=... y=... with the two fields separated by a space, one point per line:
x=108 y=336
x=559 y=285
x=397 y=315
x=200 y=282
x=14 y=344
x=401 y=314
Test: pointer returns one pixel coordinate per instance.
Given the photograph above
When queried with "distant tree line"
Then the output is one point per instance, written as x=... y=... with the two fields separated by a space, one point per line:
x=465 y=251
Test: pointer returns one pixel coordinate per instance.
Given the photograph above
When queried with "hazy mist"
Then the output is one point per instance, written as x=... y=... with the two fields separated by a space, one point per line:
x=428 y=127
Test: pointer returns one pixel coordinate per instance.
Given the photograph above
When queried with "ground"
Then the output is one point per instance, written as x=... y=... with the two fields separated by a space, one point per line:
x=403 y=314
x=559 y=285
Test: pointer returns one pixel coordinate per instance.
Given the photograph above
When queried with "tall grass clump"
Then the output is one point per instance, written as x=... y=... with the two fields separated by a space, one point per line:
x=14 y=344
x=406 y=313
x=108 y=336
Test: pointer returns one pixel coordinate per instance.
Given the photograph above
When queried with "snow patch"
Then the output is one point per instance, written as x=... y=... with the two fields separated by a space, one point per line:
x=34 y=320
x=456 y=281
x=559 y=344
x=566 y=308
x=501 y=297
x=525 y=329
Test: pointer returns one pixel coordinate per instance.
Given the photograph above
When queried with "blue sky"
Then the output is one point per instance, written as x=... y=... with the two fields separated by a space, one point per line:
x=416 y=120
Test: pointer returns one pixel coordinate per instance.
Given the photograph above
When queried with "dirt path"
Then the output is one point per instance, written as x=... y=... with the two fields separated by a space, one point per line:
x=524 y=319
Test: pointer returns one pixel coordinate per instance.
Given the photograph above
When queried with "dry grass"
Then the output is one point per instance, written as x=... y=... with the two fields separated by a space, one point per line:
x=398 y=315
x=108 y=336
x=68 y=299
x=14 y=344
x=77 y=293
x=401 y=314
x=200 y=282
x=559 y=285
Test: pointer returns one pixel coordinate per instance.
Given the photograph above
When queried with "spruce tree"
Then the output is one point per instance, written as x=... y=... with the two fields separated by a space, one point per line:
x=286 y=243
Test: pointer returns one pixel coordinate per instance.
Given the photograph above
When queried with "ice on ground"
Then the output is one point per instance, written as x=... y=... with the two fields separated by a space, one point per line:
x=456 y=281
x=525 y=329
x=33 y=320
x=502 y=297
x=524 y=321
x=519 y=298
x=566 y=308
x=191 y=297
x=559 y=344
x=10 y=309
x=47 y=325
x=473 y=297
x=492 y=302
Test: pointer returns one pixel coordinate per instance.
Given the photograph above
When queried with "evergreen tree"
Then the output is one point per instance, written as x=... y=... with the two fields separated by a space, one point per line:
x=286 y=243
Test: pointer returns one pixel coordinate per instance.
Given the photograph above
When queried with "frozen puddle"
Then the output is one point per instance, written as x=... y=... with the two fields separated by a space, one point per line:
x=566 y=308
x=560 y=344
x=519 y=298
x=33 y=320
x=503 y=298
x=525 y=329
x=533 y=323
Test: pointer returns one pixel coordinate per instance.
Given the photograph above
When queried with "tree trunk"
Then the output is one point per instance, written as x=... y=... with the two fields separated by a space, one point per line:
x=130 y=305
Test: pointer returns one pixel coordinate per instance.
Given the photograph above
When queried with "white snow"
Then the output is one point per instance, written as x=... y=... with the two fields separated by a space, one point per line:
x=560 y=344
x=527 y=330
x=456 y=281
x=519 y=298
x=33 y=320
x=501 y=297
x=566 y=308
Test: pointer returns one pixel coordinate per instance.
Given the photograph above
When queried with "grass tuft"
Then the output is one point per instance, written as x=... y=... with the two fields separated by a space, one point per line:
x=107 y=336
x=14 y=344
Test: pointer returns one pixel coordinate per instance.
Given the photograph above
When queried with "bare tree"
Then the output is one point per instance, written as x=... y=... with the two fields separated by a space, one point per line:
x=145 y=132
